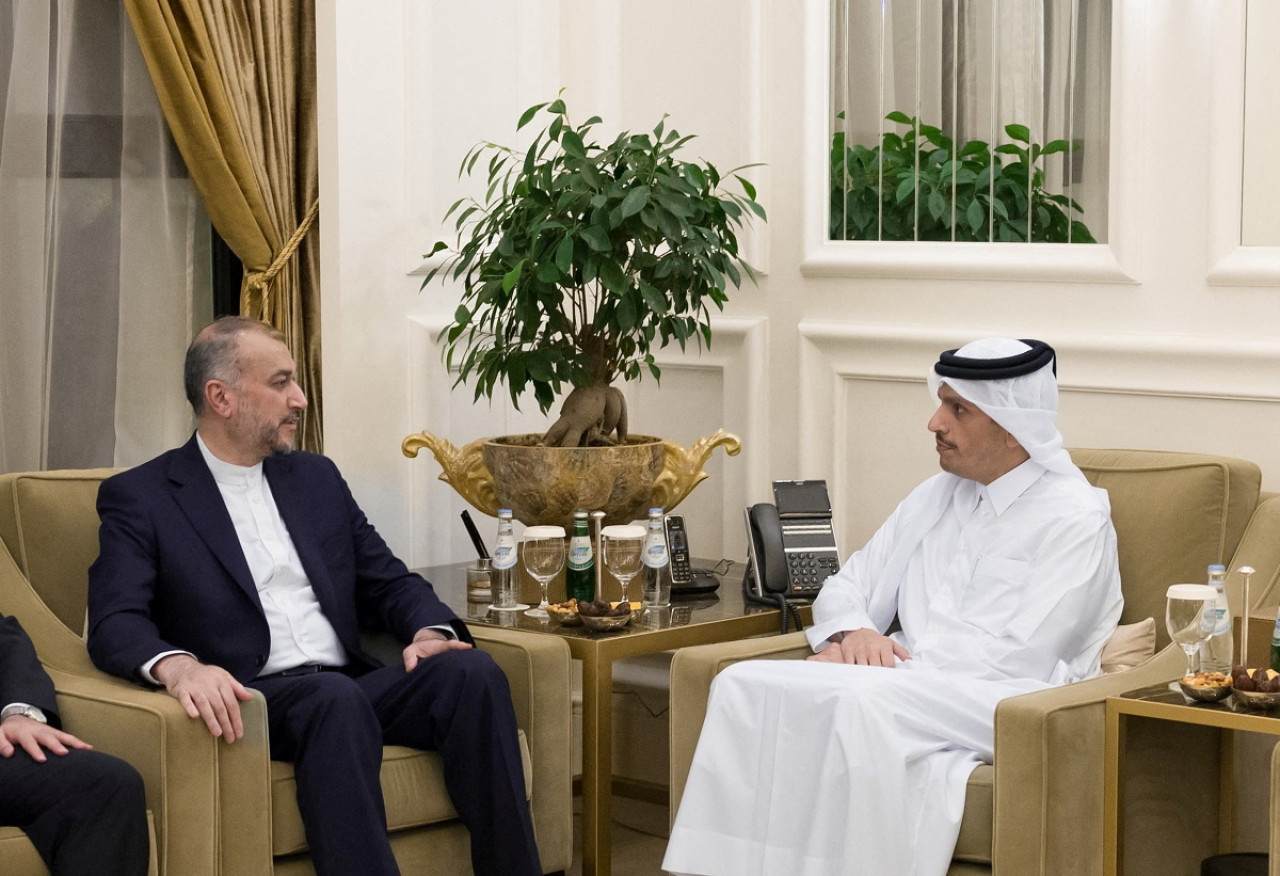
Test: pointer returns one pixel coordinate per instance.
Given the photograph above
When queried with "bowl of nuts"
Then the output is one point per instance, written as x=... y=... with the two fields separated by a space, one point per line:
x=565 y=613
x=1206 y=687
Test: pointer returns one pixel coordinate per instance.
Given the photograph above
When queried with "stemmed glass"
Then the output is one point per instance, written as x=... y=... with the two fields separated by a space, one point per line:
x=622 y=547
x=543 y=554
x=1184 y=618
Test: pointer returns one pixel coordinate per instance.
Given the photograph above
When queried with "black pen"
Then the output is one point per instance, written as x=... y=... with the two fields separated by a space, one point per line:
x=481 y=550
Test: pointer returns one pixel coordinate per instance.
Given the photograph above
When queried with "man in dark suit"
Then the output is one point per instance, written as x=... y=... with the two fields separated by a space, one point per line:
x=84 y=811
x=233 y=562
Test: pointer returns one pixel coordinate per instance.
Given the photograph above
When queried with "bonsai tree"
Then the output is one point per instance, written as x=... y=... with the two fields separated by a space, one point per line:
x=581 y=260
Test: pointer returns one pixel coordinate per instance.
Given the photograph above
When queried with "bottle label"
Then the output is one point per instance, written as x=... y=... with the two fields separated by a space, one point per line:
x=655 y=551
x=504 y=555
x=580 y=556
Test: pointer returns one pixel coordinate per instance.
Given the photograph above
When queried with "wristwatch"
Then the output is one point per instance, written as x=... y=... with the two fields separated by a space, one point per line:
x=23 y=709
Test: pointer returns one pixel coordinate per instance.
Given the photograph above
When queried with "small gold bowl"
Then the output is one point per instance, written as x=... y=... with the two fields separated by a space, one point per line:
x=1210 y=693
x=565 y=616
x=1257 y=699
x=603 y=623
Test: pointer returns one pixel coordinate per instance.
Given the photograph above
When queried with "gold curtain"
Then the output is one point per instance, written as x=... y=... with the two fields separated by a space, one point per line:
x=237 y=84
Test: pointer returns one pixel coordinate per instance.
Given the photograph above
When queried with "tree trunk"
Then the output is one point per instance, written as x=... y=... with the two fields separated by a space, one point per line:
x=591 y=415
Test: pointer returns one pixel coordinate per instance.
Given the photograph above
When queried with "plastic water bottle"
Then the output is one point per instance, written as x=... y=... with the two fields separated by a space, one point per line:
x=1217 y=652
x=504 y=563
x=657 y=584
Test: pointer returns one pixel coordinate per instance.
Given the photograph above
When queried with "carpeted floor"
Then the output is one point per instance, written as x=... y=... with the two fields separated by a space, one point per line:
x=639 y=838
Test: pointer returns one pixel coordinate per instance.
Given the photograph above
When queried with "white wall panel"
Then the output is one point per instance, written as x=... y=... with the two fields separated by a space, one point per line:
x=867 y=409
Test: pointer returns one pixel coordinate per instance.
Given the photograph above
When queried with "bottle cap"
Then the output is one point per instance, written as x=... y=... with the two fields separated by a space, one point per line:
x=1217 y=567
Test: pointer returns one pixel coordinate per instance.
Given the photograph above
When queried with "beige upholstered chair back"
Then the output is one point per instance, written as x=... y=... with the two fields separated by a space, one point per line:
x=1174 y=513
x=49 y=523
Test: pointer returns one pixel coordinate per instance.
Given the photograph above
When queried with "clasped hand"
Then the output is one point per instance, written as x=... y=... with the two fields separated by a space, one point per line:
x=865 y=647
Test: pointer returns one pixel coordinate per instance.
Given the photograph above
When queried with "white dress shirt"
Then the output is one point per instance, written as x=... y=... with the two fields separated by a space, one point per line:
x=300 y=633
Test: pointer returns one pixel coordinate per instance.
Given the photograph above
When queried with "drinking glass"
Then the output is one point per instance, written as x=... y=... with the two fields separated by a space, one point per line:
x=1184 y=618
x=543 y=554
x=622 y=547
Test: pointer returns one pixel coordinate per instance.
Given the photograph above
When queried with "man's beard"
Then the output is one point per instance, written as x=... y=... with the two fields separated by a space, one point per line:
x=270 y=441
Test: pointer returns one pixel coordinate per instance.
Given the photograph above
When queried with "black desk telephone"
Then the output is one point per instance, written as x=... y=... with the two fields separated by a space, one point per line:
x=791 y=546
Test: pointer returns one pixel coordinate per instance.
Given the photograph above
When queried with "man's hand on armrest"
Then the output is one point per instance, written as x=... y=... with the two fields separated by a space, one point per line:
x=426 y=642
x=864 y=647
x=207 y=692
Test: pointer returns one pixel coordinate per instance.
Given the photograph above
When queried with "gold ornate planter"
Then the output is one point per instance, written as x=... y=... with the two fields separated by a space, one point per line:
x=545 y=484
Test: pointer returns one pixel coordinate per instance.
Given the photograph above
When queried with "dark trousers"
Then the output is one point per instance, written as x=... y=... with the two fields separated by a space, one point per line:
x=85 y=812
x=333 y=728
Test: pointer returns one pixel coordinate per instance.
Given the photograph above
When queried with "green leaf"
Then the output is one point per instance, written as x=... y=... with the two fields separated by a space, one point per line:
x=747 y=187
x=512 y=277
x=975 y=216
x=1018 y=132
x=571 y=142
x=564 y=254
x=440 y=244
x=528 y=115
x=634 y=202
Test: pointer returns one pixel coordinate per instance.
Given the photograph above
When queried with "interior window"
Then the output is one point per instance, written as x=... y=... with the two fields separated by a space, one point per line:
x=970 y=120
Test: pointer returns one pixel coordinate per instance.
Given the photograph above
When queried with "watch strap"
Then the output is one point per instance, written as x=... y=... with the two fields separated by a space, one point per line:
x=25 y=710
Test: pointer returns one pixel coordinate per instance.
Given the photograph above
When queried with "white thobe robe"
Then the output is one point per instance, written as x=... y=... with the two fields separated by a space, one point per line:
x=817 y=768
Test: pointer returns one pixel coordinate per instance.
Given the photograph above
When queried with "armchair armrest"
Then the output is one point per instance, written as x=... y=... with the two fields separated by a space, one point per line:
x=537 y=668
x=210 y=800
x=1049 y=771
x=692 y=671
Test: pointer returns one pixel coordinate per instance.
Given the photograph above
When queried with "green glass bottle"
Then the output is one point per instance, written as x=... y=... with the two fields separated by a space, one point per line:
x=580 y=579
x=1275 y=644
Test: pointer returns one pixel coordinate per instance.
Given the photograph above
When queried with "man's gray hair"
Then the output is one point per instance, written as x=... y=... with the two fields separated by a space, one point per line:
x=213 y=355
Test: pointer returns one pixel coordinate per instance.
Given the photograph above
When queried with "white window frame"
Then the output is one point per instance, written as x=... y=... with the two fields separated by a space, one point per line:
x=1110 y=262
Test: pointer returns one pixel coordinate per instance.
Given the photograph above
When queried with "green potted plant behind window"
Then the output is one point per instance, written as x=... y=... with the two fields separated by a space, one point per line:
x=579 y=262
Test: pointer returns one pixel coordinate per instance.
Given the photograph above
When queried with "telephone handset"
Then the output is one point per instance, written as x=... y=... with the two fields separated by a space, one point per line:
x=791 y=547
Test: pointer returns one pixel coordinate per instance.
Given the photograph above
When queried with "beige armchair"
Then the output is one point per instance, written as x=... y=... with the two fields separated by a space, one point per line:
x=1038 y=808
x=221 y=808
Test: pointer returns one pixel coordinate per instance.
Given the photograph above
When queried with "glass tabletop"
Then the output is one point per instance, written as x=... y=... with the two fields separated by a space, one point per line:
x=725 y=603
x=1168 y=693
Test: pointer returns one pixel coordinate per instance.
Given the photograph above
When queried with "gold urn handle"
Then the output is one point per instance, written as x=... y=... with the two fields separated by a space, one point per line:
x=462 y=468
x=682 y=469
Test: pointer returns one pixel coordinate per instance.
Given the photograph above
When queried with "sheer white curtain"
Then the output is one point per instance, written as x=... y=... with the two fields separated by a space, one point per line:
x=104 y=266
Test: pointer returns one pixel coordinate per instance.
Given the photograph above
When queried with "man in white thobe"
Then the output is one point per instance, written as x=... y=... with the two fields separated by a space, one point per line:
x=1001 y=571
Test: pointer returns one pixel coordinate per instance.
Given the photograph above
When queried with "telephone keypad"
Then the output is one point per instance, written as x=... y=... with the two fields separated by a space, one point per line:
x=681 y=572
x=809 y=569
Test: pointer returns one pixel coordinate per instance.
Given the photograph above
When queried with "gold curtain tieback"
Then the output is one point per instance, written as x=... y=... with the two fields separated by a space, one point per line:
x=259 y=280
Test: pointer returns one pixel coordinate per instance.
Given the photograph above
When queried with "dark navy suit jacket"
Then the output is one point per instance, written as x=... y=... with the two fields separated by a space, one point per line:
x=22 y=678
x=171 y=575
